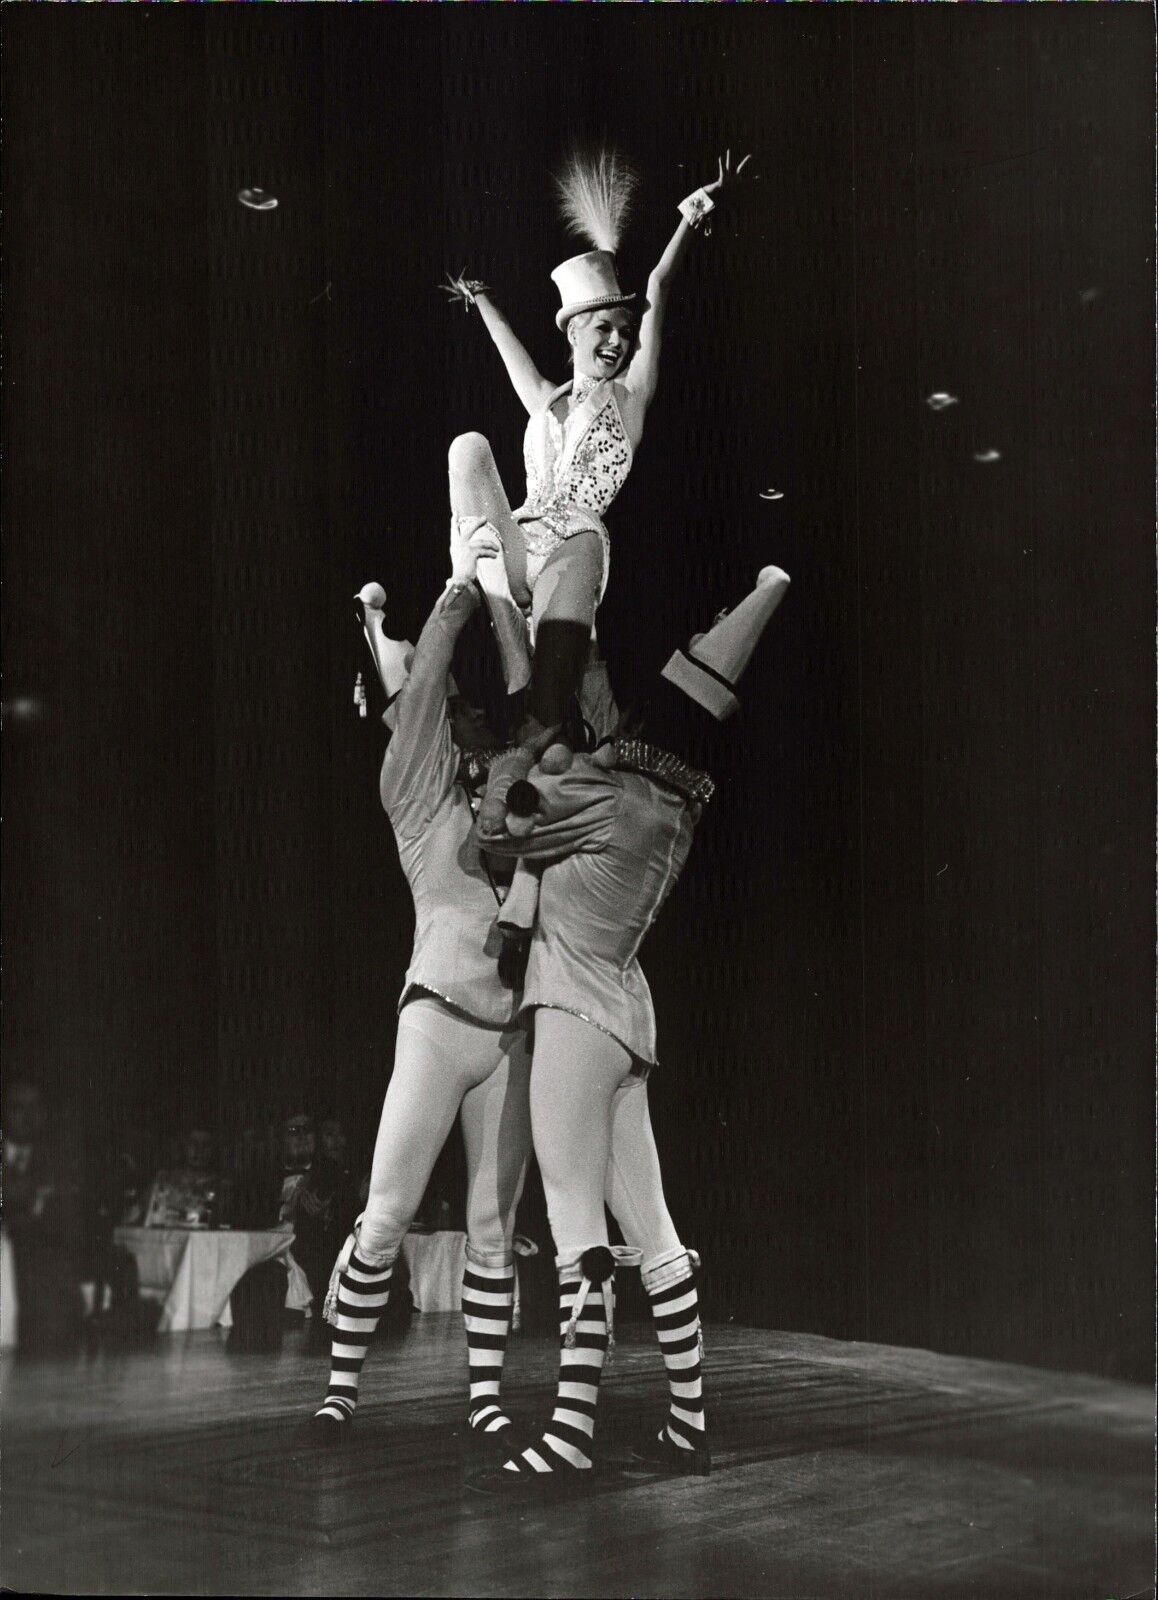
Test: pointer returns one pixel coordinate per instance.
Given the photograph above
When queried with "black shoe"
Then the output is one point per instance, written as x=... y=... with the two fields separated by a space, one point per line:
x=665 y=1456
x=325 y=1433
x=495 y=1448
x=498 y=1481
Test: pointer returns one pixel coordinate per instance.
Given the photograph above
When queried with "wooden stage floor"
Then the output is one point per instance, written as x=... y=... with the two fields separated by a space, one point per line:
x=843 y=1470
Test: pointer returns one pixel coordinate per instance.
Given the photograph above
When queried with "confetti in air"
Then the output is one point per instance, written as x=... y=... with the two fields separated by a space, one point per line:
x=940 y=401
x=257 y=200
x=985 y=457
x=771 y=494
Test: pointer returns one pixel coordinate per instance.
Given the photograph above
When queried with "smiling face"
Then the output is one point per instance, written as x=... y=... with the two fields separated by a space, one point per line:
x=601 y=341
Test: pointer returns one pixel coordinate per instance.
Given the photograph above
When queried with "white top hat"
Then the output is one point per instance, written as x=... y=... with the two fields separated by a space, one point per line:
x=586 y=283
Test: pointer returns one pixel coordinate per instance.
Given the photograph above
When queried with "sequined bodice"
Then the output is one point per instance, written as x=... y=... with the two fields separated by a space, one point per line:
x=579 y=464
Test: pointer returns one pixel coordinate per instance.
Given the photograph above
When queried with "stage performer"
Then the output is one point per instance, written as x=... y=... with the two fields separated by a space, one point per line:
x=578 y=447
x=460 y=1050
x=614 y=831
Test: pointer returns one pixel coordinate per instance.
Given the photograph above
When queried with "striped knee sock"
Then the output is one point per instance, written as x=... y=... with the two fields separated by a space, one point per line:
x=671 y=1289
x=488 y=1297
x=566 y=1444
x=360 y=1293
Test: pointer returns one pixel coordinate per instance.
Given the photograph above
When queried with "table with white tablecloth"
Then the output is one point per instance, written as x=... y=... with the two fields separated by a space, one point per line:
x=193 y=1272
x=435 y=1262
x=8 y=1308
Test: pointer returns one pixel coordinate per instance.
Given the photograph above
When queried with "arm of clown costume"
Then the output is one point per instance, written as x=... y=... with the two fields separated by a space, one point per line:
x=576 y=812
x=421 y=759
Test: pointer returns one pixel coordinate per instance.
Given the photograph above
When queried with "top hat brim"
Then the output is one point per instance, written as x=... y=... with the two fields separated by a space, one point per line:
x=563 y=317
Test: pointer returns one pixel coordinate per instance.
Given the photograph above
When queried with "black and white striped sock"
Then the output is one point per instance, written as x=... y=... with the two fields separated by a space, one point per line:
x=671 y=1289
x=488 y=1297
x=361 y=1295
x=566 y=1444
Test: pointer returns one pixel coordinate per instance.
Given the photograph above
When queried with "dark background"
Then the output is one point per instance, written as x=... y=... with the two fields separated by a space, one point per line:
x=905 y=988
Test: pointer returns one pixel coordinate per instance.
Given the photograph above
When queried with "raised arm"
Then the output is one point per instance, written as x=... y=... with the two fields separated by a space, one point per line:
x=421 y=760
x=529 y=383
x=643 y=374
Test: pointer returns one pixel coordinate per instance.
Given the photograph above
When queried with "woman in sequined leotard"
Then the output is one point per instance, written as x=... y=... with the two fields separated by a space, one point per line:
x=578 y=450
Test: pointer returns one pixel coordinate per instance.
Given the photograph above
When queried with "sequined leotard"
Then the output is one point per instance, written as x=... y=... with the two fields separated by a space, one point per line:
x=575 y=468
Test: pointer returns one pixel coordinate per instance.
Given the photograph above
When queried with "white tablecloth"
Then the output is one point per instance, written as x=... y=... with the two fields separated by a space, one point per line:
x=193 y=1272
x=7 y=1294
x=435 y=1261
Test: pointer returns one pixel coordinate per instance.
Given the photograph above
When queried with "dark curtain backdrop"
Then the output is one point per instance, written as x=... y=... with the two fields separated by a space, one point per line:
x=905 y=988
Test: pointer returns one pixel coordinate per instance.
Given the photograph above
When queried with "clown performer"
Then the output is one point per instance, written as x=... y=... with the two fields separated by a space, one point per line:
x=613 y=831
x=460 y=1049
x=578 y=448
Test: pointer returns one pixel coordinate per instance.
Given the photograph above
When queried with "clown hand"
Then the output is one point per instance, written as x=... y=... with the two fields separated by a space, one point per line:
x=471 y=539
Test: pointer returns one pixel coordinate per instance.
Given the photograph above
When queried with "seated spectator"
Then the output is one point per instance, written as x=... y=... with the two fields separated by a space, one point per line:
x=313 y=1190
x=44 y=1218
x=324 y=1209
x=299 y=1145
x=335 y=1145
x=191 y=1195
x=264 y=1186
x=265 y=1196
x=128 y=1174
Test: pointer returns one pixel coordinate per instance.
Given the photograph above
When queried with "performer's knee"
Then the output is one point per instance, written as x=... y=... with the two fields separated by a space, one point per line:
x=469 y=453
x=671 y=1267
x=488 y=1254
x=382 y=1229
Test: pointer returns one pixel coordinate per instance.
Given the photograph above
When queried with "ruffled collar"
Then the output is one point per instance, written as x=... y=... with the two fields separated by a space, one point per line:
x=631 y=755
x=636 y=755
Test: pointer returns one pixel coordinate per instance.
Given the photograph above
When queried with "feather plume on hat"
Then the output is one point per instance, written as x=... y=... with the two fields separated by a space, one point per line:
x=595 y=191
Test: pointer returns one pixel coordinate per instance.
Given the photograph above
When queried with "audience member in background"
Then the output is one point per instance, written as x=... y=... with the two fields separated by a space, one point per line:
x=334 y=1144
x=267 y=1192
x=324 y=1208
x=45 y=1219
x=270 y=1172
x=128 y=1173
x=299 y=1144
x=192 y=1194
